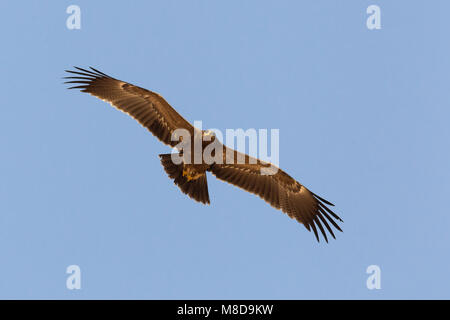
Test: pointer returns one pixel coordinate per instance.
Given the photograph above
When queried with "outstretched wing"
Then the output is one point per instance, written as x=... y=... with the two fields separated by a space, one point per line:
x=279 y=189
x=147 y=107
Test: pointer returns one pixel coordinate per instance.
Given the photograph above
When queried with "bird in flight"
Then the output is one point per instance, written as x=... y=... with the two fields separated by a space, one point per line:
x=154 y=113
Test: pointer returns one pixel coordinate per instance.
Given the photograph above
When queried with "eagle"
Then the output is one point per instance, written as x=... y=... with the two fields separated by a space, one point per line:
x=153 y=112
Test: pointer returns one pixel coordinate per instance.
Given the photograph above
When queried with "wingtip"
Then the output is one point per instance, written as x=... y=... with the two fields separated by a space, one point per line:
x=315 y=231
x=323 y=200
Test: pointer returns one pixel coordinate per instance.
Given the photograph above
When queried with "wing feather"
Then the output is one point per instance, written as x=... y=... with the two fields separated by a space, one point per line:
x=282 y=192
x=145 y=106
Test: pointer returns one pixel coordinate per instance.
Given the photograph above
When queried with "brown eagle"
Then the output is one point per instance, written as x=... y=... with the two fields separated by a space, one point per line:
x=153 y=112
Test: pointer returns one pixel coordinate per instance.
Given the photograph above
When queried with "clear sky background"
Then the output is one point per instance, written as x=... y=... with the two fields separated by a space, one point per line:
x=363 y=118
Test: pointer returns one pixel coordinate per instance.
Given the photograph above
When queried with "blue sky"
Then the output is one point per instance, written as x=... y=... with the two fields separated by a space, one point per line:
x=363 y=118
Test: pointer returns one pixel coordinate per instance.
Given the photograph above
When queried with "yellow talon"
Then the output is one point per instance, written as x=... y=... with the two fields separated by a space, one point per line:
x=186 y=174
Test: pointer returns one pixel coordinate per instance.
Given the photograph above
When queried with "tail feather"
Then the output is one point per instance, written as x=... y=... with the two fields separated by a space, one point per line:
x=196 y=189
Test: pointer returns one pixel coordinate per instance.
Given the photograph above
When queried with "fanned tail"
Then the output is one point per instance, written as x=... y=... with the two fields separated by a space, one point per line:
x=196 y=189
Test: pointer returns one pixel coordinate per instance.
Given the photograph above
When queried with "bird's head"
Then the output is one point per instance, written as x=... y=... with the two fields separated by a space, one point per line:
x=209 y=135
